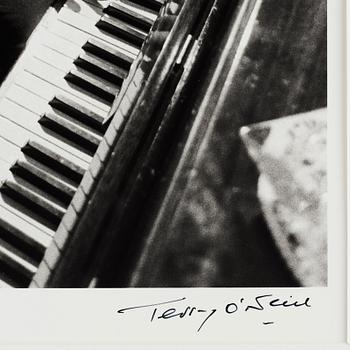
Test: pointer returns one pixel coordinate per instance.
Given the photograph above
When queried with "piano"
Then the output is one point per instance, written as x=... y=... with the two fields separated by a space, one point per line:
x=54 y=113
x=119 y=149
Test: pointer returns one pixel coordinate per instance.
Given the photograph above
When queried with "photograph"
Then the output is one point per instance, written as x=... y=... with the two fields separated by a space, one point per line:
x=163 y=144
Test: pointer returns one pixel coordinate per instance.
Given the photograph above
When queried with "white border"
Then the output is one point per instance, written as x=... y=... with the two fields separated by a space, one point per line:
x=348 y=159
x=87 y=317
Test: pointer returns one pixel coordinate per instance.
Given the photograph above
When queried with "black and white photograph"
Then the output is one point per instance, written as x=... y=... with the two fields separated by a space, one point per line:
x=163 y=143
x=174 y=172
x=151 y=143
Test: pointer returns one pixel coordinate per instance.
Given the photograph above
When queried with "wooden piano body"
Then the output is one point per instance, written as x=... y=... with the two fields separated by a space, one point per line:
x=120 y=154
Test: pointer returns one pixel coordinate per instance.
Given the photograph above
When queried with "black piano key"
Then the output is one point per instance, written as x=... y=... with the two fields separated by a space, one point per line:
x=73 y=132
x=17 y=259
x=154 y=5
x=136 y=19
x=98 y=87
x=12 y=272
x=44 y=180
x=101 y=68
x=54 y=161
x=28 y=246
x=122 y=30
x=84 y=115
x=8 y=282
x=108 y=53
x=34 y=202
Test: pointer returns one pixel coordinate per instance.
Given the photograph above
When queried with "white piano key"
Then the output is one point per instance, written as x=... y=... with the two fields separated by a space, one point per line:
x=68 y=49
x=49 y=175
x=121 y=29
x=39 y=174
x=79 y=29
x=11 y=154
x=91 y=12
x=135 y=6
x=14 y=260
x=41 y=79
x=54 y=58
x=97 y=86
x=91 y=9
x=33 y=102
x=17 y=114
x=98 y=3
x=66 y=64
x=6 y=174
x=62 y=45
x=18 y=209
x=4 y=171
x=55 y=77
x=47 y=91
x=29 y=232
x=27 y=99
x=21 y=212
x=20 y=136
x=127 y=5
x=49 y=52
x=40 y=204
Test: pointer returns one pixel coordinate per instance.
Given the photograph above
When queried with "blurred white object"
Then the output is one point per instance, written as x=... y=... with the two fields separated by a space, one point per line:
x=290 y=154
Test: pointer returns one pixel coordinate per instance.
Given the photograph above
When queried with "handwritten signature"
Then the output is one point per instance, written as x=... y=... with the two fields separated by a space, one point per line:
x=162 y=311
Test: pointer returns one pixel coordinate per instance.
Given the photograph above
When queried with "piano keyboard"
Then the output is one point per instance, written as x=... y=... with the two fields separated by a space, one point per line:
x=53 y=115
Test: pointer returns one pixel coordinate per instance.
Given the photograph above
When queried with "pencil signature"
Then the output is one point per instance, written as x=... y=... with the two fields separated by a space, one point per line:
x=179 y=308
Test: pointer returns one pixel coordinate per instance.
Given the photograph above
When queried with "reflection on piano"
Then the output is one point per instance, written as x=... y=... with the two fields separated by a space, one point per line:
x=119 y=150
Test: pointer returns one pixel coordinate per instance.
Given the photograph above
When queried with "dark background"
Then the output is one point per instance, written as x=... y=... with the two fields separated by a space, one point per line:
x=18 y=18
